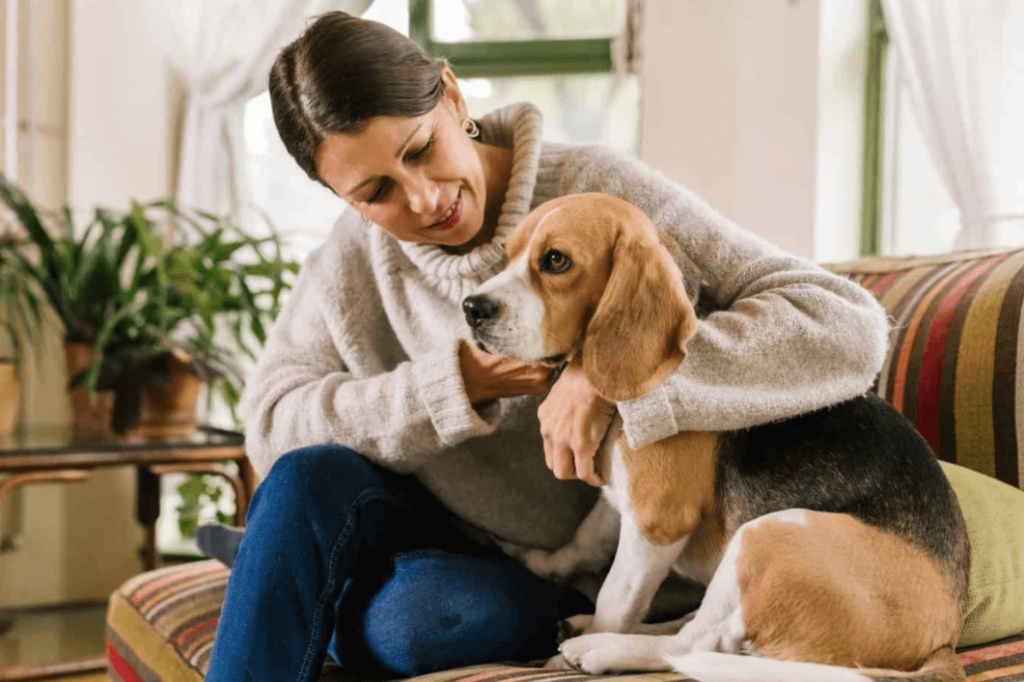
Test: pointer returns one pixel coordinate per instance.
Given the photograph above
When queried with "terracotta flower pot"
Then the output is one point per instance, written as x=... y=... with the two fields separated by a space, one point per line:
x=168 y=410
x=10 y=396
x=87 y=415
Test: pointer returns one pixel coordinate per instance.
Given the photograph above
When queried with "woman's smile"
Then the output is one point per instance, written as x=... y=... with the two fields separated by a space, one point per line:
x=451 y=217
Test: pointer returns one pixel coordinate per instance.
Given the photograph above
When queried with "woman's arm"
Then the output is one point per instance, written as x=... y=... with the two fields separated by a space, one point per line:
x=791 y=337
x=303 y=394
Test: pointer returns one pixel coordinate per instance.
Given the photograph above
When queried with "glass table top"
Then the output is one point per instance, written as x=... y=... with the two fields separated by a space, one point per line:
x=58 y=438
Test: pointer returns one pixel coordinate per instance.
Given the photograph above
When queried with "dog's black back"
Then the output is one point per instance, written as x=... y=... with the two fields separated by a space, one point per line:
x=862 y=458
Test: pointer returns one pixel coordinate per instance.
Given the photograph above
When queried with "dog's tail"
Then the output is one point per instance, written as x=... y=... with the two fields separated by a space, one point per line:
x=942 y=666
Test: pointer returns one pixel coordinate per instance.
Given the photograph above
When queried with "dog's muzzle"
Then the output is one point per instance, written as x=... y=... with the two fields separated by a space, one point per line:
x=479 y=309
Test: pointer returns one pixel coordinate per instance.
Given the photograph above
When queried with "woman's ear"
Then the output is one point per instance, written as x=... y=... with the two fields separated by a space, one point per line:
x=452 y=95
x=637 y=336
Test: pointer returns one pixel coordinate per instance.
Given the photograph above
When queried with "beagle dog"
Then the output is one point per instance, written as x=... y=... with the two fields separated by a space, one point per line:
x=831 y=545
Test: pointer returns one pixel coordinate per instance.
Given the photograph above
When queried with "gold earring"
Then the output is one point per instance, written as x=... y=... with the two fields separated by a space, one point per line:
x=471 y=128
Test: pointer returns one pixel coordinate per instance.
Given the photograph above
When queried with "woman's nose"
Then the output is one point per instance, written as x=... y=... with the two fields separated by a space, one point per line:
x=423 y=194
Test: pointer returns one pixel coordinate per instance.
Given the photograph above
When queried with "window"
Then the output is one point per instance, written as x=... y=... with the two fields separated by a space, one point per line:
x=906 y=208
x=556 y=54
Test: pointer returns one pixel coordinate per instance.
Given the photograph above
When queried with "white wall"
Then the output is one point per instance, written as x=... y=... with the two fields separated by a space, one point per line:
x=842 y=70
x=757 y=106
x=123 y=109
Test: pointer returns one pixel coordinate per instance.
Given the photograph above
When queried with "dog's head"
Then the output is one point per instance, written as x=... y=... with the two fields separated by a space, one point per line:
x=587 y=273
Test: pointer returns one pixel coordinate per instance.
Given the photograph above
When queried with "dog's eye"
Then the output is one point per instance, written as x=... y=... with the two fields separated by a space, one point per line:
x=555 y=262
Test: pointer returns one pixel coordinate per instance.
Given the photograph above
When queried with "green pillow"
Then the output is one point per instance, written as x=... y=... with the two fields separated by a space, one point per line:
x=994 y=512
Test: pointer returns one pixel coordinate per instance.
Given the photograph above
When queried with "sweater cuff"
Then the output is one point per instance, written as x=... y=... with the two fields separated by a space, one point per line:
x=648 y=419
x=440 y=388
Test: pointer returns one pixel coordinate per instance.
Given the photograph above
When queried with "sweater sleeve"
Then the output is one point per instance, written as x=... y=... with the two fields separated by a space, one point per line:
x=302 y=393
x=789 y=338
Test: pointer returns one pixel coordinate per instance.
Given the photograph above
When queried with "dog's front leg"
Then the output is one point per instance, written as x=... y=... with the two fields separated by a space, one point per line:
x=636 y=574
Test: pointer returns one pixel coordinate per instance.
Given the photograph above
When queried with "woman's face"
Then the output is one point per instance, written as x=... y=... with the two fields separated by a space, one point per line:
x=420 y=179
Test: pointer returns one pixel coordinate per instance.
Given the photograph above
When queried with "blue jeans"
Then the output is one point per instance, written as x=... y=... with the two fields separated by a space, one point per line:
x=343 y=557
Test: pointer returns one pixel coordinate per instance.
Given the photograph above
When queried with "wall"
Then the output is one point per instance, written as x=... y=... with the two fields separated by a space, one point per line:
x=757 y=105
x=98 y=75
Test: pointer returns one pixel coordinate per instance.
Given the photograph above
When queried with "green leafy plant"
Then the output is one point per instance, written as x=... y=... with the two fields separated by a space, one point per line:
x=20 y=300
x=156 y=279
x=199 y=492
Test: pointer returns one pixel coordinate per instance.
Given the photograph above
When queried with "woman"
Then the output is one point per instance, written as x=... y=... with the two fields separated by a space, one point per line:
x=393 y=451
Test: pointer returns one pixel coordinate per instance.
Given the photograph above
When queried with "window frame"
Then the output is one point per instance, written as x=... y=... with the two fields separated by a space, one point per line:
x=874 y=120
x=485 y=58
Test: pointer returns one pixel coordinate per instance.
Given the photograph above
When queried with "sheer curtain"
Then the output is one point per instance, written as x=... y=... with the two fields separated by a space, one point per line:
x=963 y=66
x=223 y=50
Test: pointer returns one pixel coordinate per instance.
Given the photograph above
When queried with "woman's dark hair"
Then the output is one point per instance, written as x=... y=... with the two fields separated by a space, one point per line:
x=341 y=72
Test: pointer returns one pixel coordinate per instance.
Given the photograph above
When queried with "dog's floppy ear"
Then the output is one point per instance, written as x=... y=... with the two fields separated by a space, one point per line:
x=638 y=334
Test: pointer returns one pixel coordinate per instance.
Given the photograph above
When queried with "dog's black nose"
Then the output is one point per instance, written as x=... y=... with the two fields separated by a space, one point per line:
x=478 y=309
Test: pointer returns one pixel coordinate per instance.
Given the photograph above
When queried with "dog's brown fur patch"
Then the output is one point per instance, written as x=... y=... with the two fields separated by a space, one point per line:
x=671 y=484
x=839 y=592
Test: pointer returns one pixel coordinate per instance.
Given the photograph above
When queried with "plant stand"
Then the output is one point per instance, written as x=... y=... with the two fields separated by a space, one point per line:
x=66 y=454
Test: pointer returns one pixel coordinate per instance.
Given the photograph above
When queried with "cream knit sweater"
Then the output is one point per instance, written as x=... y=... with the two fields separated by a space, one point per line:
x=365 y=352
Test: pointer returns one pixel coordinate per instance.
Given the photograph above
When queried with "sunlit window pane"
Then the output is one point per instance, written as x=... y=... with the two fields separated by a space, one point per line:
x=394 y=13
x=477 y=20
x=576 y=108
x=270 y=182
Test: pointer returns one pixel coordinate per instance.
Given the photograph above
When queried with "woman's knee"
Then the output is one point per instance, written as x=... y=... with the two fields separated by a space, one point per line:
x=441 y=610
x=319 y=478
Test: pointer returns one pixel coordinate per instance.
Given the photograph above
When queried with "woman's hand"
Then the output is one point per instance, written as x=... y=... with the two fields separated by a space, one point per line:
x=487 y=376
x=573 y=421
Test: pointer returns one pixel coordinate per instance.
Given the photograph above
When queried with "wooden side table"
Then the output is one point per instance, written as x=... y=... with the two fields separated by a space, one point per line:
x=47 y=454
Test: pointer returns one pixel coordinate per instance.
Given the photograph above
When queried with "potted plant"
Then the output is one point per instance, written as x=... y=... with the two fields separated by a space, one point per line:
x=20 y=318
x=152 y=298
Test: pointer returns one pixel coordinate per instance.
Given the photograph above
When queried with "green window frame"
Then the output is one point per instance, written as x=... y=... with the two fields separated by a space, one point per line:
x=478 y=59
x=874 y=116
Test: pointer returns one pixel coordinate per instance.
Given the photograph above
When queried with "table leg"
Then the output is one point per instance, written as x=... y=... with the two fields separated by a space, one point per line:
x=147 y=501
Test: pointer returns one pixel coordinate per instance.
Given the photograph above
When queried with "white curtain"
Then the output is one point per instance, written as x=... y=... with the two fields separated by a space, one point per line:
x=963 y=65
x=223 y=50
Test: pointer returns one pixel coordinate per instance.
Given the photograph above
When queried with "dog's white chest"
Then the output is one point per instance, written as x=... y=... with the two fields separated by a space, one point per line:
x=616 y=488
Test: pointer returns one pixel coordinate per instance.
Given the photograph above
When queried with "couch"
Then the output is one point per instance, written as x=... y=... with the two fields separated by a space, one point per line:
x=955 y=369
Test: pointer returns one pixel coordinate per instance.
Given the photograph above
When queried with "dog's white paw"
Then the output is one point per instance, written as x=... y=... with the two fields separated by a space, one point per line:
x=592 y=654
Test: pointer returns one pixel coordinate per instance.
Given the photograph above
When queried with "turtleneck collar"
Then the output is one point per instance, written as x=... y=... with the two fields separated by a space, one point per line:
x=519 y=128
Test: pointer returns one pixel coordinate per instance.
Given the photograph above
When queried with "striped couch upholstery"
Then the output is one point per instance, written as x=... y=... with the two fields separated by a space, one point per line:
x=956 y=363
x=955 y=368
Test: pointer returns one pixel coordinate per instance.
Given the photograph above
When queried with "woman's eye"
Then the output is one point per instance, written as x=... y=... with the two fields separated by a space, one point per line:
x=422 y=151
x=379 y=193
x=555 y=262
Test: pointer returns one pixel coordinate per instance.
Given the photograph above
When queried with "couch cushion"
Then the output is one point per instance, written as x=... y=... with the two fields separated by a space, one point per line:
x=161 y=625
x=954 y=367
x=994 y=513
